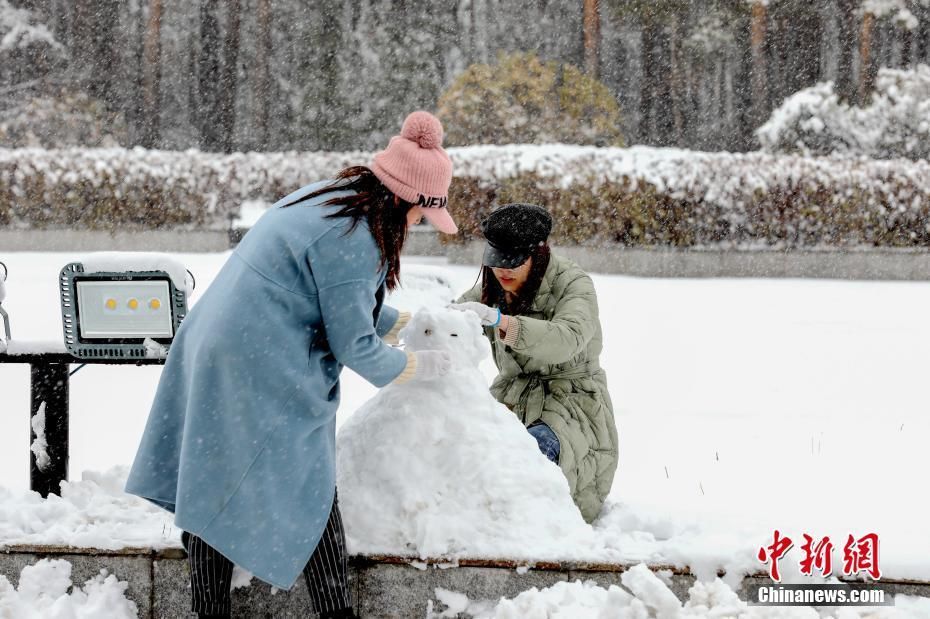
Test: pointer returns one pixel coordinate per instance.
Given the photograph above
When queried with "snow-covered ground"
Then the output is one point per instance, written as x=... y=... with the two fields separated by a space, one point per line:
x=645 y=595
x=743 y=406
x=45 y=590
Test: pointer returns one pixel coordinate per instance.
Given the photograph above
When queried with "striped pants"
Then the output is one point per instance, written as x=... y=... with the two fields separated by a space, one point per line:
x=326 y=574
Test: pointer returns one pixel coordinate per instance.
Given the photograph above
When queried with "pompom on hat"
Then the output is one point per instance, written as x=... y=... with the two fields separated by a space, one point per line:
x=417 y=170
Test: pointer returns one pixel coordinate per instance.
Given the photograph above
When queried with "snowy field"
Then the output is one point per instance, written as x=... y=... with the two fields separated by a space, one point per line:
x=743 y=406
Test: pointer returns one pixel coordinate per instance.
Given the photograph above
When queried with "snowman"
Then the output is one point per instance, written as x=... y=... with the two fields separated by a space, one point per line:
x=438 y=468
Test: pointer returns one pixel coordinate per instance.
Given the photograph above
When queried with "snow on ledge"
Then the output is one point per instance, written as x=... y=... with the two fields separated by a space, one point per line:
x=116 y=261
x=38 y=347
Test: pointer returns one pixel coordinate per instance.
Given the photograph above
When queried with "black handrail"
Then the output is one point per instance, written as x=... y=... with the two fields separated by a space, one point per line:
x=49 y=384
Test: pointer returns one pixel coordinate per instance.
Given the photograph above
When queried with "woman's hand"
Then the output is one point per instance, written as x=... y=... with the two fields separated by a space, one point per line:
x=392 y=337
x=490 y=316
x=425 y=364
x=432 y=363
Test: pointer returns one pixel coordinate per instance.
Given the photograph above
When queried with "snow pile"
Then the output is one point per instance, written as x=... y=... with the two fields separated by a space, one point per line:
x=439 y=468
x=45 y=590
x=91 y=513
x=39 y=446
x=117 y=262
x=896 y=123
x=645 y=595
x=425 y=286
x=34 y=347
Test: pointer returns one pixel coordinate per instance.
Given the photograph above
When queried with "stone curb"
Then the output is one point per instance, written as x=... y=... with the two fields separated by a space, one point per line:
x=381 y=586
x=860 y=264
x=878 y=265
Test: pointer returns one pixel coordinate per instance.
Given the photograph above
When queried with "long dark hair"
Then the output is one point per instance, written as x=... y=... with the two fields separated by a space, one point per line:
x=492 y=294
x=385 y=213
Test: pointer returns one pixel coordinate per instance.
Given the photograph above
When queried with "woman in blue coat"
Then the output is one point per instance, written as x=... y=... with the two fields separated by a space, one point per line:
x=240 y=441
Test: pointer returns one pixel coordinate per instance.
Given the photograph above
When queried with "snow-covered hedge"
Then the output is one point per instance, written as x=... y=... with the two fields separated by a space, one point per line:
x=896 y=123
x=116 y=187
x=631 y=196
x=664 y=197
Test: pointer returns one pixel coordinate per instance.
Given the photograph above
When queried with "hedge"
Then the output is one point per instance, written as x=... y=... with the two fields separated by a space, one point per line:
x=147 y=189
x=634 y=197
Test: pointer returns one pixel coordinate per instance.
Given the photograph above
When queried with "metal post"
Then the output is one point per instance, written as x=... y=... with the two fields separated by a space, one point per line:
x=49 y=386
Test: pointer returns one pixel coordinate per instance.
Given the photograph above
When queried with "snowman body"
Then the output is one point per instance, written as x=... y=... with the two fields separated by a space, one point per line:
x=439 y=468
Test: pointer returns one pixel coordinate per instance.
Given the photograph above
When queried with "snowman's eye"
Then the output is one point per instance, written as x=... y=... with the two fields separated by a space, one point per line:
x=428 y=332
x=454 y=334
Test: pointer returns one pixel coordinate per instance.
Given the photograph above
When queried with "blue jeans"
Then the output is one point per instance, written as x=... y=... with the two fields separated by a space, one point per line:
x=548 y=442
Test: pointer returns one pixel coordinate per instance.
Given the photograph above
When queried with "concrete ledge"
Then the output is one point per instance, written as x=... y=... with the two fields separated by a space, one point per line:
x=877 y=264
x=381 y=586
x=863 y=264
x=419 y=241
x=119 y=240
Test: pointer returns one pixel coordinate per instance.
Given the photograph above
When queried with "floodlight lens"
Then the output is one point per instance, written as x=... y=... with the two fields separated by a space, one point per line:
x=98 y=320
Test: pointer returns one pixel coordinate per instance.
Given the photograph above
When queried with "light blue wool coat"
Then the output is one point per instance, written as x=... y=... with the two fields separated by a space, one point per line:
x=240 y=441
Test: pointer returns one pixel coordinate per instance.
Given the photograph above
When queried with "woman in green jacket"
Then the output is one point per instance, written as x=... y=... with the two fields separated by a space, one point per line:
x=540 y=313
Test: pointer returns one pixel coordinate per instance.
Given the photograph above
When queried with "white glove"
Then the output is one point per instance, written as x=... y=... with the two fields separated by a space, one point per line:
x=392 y=337
x=490 y=316
x=432 y=363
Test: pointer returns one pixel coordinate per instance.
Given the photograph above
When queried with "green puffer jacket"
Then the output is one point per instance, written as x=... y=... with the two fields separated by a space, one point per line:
x=552 y=374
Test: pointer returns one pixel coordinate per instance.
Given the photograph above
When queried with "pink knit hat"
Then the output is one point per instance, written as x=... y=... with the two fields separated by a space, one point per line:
x=416 y=168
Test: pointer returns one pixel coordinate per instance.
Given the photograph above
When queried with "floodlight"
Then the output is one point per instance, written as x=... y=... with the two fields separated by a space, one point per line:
x=119 y=315
x=3 y=314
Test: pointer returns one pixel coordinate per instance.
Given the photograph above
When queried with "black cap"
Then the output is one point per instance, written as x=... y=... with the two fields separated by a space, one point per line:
x=513 y=231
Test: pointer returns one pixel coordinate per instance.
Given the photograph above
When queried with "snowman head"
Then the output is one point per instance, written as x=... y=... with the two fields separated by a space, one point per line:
x=458 y=332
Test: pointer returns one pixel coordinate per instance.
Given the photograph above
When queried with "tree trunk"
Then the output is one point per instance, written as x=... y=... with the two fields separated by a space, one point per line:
x=151 y=76
x=845 y=73
x=907 y=47
x=866 y=64
x=101 y=82
x=230 y=77
x=132 y=74
x=664 y=116
x=263 y=93
x=93 y=48
x=592 y=37
x=649 y=88
x=780 y=71
x=923 y=34
x=80 y=41
x=759 y=78
x=209 y=78
x=676 y=86
x=324 y=129
x=804 y=68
